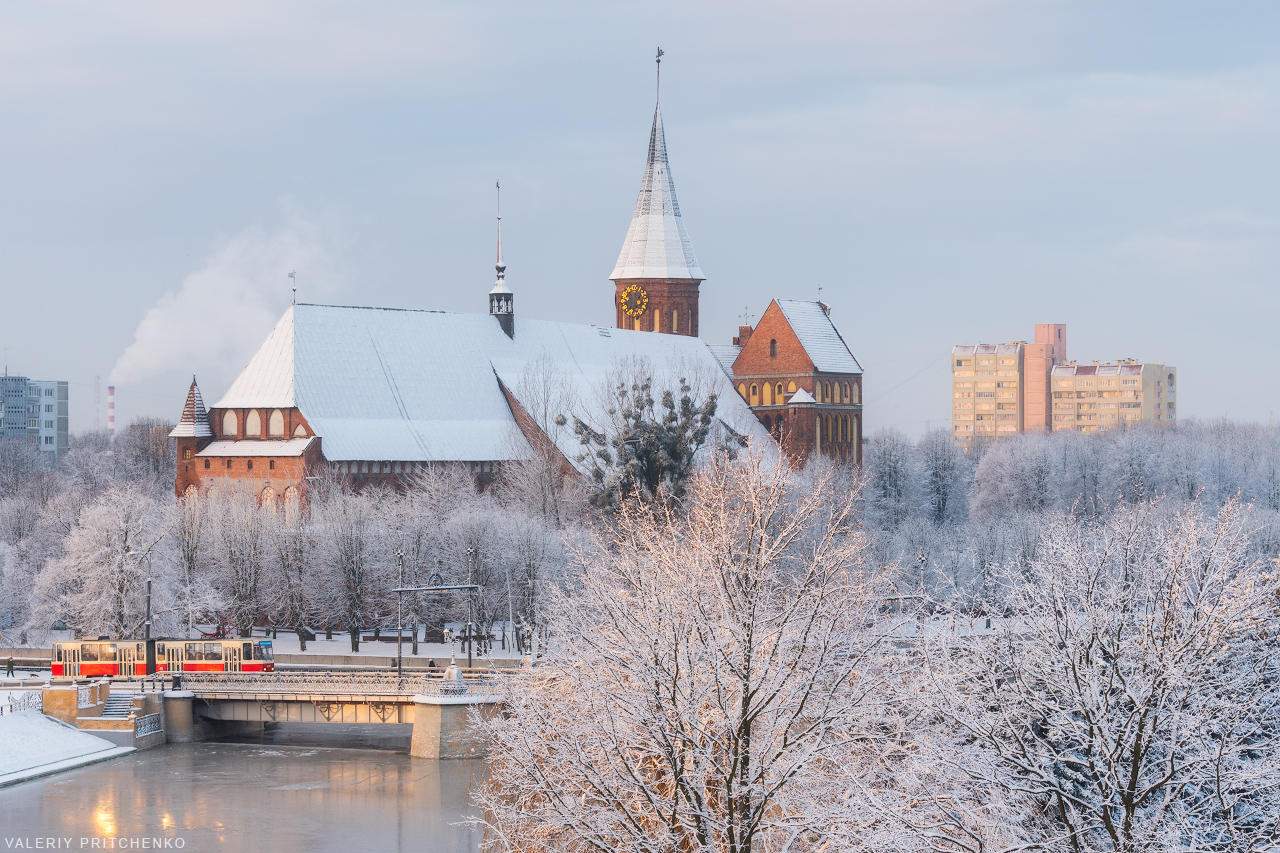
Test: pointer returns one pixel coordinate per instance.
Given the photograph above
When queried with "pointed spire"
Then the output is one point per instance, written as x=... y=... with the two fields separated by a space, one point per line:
x=194 y=422
x=501 y=300
x=657 y=246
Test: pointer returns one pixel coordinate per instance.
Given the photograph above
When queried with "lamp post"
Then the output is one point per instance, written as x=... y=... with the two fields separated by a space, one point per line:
x=147 y=624
x=399 y=616
x=471 y=634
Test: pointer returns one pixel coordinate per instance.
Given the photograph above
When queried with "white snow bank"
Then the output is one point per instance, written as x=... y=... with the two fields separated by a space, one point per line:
x=29 y=739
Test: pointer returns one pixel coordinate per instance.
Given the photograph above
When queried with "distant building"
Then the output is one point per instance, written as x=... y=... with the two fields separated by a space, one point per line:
x=36 y=409
x=1091 y=397
x=1007 y=389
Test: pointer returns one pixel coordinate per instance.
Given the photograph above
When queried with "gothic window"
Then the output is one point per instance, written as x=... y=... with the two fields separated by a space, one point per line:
x=773 y=349
x=228 y=464
x=768 y=395
x=230 y=425
x=271 y=463
x=189 y=492
x=844 y=391
x=791 y=387
x=300 y=431
x=186 y=453
x=268 y=498
x=742 y=389
x=253 y=424
x=755 y=394
x=276 y=426
x=844 y=428
x=206 y=463
x=854 y=395
x=675 y=320
x=779 y=392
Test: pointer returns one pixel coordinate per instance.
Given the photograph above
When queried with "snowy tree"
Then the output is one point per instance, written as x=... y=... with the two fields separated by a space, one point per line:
x=707 y=666
x=1133 y=694
x=236 y=536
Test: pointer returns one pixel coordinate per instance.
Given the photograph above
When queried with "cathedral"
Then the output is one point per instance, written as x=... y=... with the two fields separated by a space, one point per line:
x=373 y=395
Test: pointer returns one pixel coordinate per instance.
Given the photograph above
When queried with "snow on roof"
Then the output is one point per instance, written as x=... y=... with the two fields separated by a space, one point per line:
x=819 y=337
x=194 y=422
x=657 y=245
x=389 y=384
x=254 y=447
x=726 y=354
x=801 y=396
x=986 y=349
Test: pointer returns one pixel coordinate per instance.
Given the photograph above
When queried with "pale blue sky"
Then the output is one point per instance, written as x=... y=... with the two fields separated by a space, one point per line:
x=948 y=172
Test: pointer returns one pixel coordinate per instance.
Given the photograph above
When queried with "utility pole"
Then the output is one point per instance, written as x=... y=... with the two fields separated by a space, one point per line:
x=471 y=634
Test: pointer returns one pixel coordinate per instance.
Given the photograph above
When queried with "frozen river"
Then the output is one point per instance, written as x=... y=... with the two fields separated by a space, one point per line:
x=291 y=792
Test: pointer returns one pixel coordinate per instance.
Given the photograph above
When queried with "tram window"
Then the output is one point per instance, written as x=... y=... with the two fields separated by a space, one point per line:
x=140 y=650
x=257 y=651
x=213 y=651
x=108 y=651
x=247 y=651
x=265 y=648
x=57 y=653
x=193 y=651
x=89 y=652
x=160 y=649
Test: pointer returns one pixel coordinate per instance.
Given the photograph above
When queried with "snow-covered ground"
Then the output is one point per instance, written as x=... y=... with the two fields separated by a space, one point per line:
x=32 y=744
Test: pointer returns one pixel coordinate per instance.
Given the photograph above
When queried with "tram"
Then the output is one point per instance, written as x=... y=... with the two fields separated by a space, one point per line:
x=147 y=657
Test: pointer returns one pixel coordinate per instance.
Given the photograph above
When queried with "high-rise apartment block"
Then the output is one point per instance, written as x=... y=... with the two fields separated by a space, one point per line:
x=1090 y=397
x=1004 y=389
x=36 y=410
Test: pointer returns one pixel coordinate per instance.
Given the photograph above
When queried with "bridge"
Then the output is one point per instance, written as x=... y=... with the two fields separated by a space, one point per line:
x=437 y=706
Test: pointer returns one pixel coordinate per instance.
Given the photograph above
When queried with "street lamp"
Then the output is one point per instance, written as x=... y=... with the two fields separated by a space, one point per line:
x=147 y=624
x=399 y=616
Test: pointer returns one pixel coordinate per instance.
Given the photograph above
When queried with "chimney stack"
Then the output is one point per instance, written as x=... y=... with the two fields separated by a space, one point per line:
x=111 y=411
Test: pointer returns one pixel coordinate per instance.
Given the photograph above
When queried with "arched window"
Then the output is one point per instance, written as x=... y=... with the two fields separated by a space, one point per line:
x=844 y=391
x=230 y=425
x=779 y=392
x=755 y=393
x=268 y=498
x=768 y=422
x=186 y=453
x=854 y=395
x=773 y=349
x=253 y=424
x=768 y=394
x=300 y=431
x=206 y=463
x=826 y=390
x=189 y=492
x=675 y=320
x=276 y=425
x=742 y=389
x=844 y=428
x=791 y=387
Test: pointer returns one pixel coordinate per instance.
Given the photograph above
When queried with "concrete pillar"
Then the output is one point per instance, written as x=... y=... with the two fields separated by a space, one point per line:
x=179 y=720
x=442 y=726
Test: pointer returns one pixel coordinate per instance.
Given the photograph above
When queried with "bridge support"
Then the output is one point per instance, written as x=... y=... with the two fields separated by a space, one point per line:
x=179 y=720
x=442 y=726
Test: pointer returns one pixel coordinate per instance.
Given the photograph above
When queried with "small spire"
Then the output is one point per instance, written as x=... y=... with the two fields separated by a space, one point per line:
x=500 y=266
x=294 y=276
x=501 y=301
x=657 y=92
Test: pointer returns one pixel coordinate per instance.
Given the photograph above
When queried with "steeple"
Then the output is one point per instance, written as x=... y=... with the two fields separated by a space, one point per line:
x=501 y=298
x=194 y=422
x=656 y=277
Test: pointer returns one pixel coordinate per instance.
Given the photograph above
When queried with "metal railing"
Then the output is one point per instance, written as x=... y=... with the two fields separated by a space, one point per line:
x=334 y=683
x=146 y=725
x=24 y=700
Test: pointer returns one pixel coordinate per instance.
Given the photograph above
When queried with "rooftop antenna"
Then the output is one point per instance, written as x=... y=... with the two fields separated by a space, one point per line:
x=657 y=91
x=498 y=186
x=293 y=275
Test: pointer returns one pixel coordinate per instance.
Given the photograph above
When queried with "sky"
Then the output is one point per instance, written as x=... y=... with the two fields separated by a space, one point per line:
x=941 y=172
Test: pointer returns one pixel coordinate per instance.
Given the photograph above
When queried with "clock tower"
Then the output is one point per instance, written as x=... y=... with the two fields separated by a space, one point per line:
x=657 y=276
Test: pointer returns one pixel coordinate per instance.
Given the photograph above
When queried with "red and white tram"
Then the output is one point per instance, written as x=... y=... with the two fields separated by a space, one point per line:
x=145 y=657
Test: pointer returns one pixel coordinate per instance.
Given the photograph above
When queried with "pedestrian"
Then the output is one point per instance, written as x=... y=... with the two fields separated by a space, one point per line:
x=8 y=667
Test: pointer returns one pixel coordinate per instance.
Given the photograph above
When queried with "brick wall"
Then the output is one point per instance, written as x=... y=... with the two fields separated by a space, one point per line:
x=665 y=295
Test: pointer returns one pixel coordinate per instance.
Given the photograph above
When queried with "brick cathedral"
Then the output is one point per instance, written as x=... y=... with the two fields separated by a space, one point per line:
x=374 y=394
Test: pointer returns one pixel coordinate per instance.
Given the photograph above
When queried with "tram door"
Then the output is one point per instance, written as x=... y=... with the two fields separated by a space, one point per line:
x=128 y=659
x=173 y=657
x=231 y=656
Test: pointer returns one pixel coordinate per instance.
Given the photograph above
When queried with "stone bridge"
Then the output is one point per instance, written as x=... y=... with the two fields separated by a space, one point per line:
x=437 y=706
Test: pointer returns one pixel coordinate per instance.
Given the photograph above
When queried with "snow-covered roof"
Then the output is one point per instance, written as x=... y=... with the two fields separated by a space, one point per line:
x=819 y=337
x=253 y=447
x=801 y=396
x=194 y=422
x=388 y=384
x=657 y=245
x=987 y=349
x=726 y=354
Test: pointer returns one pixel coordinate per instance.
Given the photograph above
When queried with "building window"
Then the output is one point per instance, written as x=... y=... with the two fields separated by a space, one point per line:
x=186 y=453
x=779 y=390
x=230 y=425
x=742 y=389
x=228 y=464
x=253 y=424
x=271 y=463
x=48 y=439
x=48 y=392
x=206 y=464
x=773 y=349
x=250 y=465
x=276 y=425
x=48 y=424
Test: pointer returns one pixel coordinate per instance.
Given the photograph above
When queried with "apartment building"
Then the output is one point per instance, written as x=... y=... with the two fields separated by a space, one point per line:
x=987 y=381
x=37 y=410
x=1092 y=397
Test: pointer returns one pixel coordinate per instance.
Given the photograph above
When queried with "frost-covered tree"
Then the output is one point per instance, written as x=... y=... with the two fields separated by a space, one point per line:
x=1133 y=693
x=706 y=668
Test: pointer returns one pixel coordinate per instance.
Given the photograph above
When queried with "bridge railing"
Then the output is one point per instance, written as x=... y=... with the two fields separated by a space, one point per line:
x=334 y=683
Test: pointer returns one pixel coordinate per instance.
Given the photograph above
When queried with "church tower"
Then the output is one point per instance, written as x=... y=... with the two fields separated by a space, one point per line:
x=657 y=276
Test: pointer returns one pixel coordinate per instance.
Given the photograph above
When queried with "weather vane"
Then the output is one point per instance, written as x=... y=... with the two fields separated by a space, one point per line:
x=294 y=275
x=658 y=59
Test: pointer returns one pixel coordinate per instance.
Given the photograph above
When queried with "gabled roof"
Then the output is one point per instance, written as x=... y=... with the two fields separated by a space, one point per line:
x=801 y=396
x=726 y=354
x=819 y=337
x=387 y=384
x=657 y=245
x=194 y=422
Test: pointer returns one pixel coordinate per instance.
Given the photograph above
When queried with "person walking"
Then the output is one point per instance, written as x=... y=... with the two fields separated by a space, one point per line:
x=8 y=667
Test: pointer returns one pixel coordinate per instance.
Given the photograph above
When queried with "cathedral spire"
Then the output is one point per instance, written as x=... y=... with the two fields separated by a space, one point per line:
x=501 y=300
x=194 y=422
x=657 y=246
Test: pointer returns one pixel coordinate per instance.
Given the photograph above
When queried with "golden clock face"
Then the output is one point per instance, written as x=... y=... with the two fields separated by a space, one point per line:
x=634 y=301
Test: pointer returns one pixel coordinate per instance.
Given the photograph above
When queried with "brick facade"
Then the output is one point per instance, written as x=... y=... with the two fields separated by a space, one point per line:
x=772 y=367
x=669 y=299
